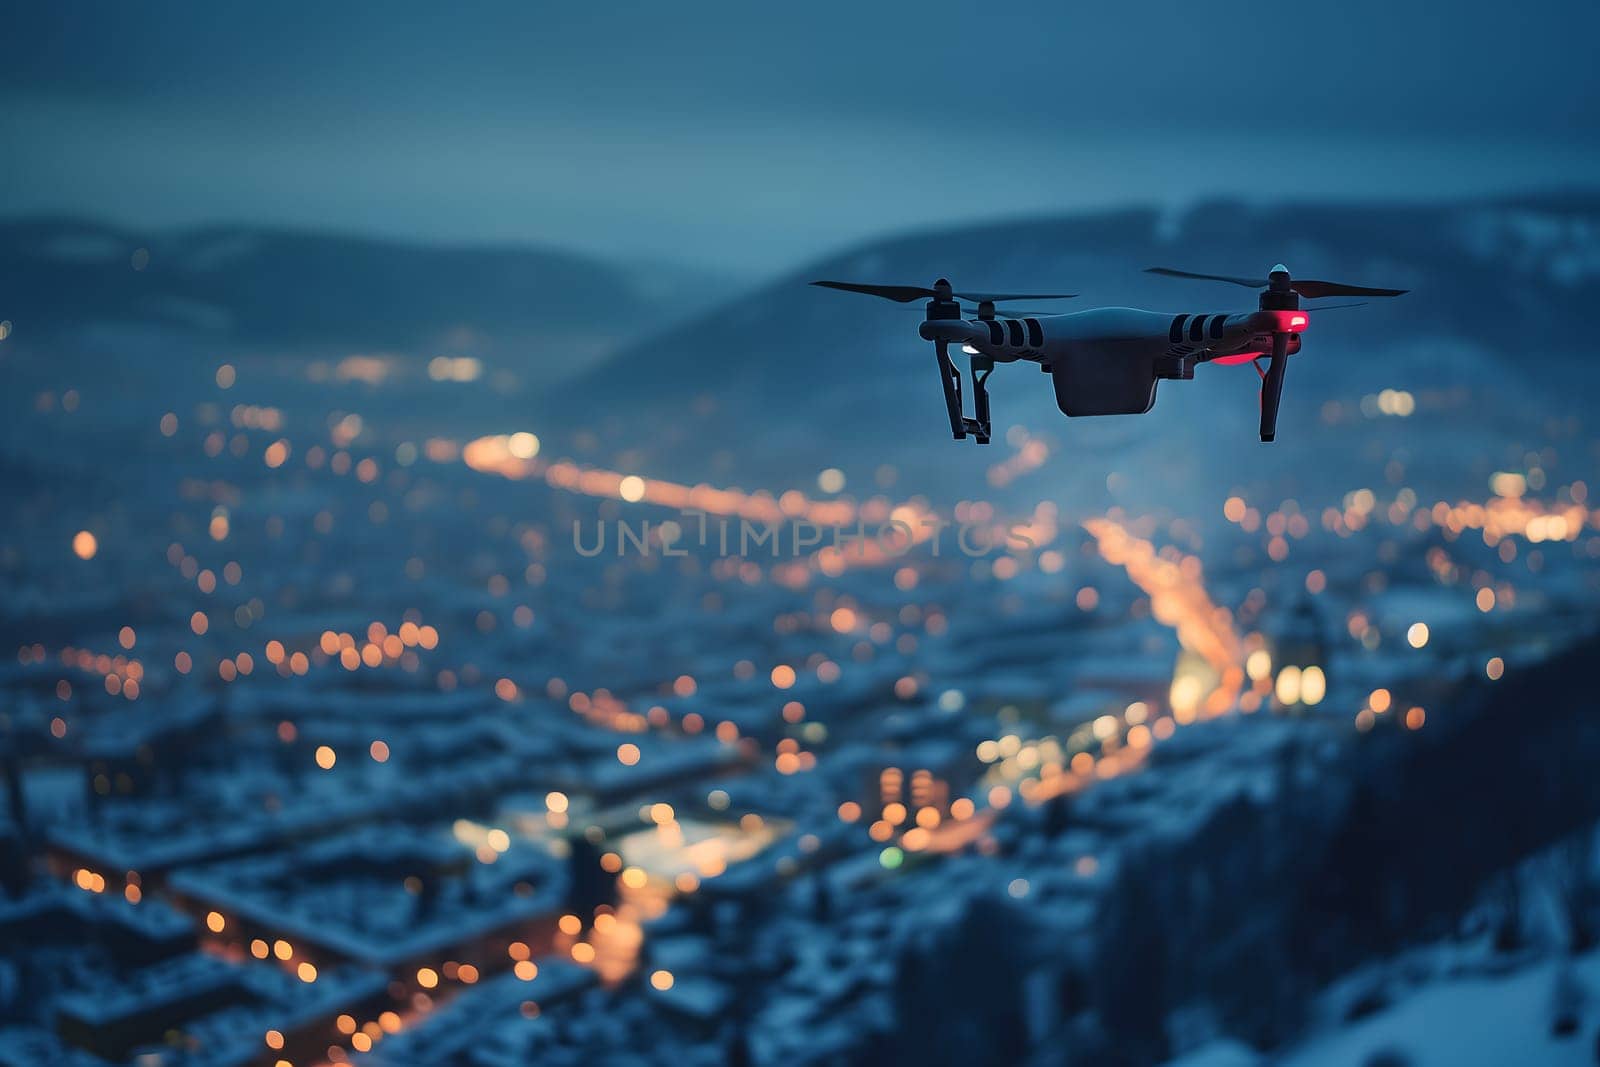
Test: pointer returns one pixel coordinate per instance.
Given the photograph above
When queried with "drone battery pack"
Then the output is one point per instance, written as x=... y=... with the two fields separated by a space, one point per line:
x=1103 y=383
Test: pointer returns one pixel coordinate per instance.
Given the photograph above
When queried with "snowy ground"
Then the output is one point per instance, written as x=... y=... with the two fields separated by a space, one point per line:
x=1469 y=1021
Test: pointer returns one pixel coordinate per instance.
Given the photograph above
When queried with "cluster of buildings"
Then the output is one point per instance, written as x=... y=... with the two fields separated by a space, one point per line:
x=327 y=749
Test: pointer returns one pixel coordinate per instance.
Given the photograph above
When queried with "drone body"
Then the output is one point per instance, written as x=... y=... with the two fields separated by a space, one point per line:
x=1108 y=361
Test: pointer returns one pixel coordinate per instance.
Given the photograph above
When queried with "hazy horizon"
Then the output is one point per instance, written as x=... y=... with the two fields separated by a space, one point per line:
x=750 y=141
x=765 y=268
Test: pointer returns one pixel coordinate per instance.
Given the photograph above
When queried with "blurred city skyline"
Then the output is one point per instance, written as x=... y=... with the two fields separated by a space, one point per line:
x=749 y=139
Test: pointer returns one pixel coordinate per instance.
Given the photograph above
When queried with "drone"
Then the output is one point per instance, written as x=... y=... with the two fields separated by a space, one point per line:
x=1109 y=360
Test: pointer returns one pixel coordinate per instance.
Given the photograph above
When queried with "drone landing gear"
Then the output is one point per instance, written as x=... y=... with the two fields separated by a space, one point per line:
x=982 y=367
x=1272 y=385
x=950 y=379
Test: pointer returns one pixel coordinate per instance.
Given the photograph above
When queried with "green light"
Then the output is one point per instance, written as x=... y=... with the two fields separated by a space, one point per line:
x=891 y=857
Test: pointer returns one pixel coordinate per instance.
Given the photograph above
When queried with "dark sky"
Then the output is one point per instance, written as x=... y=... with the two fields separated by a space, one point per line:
x=750 y=134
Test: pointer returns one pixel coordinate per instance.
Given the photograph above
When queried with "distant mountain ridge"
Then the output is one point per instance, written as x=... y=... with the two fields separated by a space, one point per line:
x=276 y=286
x=612 y=364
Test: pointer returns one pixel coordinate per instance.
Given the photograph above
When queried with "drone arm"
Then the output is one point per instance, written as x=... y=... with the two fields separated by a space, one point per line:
x=958 y=331
x=1272 y=386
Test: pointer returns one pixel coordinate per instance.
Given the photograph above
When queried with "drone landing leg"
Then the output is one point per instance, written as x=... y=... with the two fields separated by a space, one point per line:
x=950 y=379
x=982 y=367
x=1272 y=386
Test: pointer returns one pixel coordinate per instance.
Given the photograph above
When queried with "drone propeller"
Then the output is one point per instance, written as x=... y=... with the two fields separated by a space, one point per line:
x=904 y=294
x=1248 y=283
x=989 y=312
x=1279 y=281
